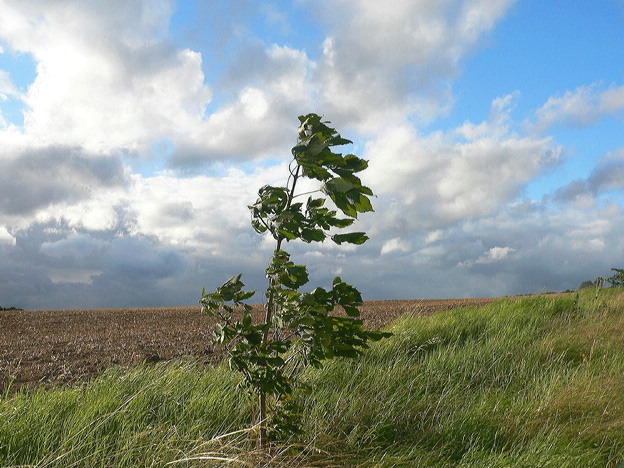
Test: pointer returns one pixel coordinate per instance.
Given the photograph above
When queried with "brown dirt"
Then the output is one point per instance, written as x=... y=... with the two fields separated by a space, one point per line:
x=55 y=347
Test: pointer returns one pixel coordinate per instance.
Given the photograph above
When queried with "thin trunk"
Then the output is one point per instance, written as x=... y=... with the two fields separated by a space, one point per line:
x=269 y=310
x=264 y=440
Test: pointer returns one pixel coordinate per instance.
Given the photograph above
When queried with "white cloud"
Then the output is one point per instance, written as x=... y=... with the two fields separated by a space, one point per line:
x=495 y=254
x=6 y=237
x=394 y=245
x=438 y=179
x=579 y=108
x=108 y=79
x=39 y=177
x=72 y=276
x=7 y=88
x=386 y=60
x=434 y=236
x=272 y=89
x=606 y=177
x=103 y=78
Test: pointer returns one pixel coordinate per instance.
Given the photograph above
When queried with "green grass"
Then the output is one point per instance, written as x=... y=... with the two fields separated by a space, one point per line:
x=530 y=382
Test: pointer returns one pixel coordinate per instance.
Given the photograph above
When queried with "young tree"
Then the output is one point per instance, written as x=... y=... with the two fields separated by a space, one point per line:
x=299 y=329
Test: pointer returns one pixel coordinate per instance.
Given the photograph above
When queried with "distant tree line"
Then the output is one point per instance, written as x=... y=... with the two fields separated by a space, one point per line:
x=10 y=308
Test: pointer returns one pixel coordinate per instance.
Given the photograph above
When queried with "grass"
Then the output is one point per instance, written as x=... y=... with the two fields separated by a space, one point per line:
x=530 y=382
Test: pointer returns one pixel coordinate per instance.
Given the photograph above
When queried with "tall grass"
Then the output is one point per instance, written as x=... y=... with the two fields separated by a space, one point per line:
x=146 y=416
x=531 y=382
x=535 y=382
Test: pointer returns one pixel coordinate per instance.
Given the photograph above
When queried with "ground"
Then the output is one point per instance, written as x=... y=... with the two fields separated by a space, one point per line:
x=52 y=347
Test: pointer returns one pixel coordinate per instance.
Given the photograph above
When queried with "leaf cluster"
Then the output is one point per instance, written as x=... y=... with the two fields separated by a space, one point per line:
x=249 y=354
x=313 y=158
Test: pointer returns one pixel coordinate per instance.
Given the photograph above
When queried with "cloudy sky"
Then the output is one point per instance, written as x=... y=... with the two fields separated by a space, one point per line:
x=133 y=134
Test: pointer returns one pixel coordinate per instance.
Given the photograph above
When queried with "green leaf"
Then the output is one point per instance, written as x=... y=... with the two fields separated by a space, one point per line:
x=351 y=311
x=351 y=238
x=229 y=289
x=243 y=296
x=348 y=352
x=287 y=234
x=354 y=163
x=341 y=223
x=306 y=320
x=363 y=205
x=312 y=235
x=343 y=204
x=295 y=276
x=258 y=226
x=315 y=202
x=246 y=320
x=366 y=191
x=253 y=338
x=337 y=184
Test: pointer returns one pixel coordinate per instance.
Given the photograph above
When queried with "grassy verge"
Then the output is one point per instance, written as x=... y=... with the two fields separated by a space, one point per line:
x=531 y=382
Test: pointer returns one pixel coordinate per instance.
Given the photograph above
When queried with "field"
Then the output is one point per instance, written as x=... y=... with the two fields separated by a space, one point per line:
x=529 y=382
x=68 y=346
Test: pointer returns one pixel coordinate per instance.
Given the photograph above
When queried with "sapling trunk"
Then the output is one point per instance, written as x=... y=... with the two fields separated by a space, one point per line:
x=270 y=311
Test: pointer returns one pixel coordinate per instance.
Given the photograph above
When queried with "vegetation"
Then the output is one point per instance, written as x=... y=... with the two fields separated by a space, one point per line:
x=521 y=382
x=10 y=308
x=298 y=330
x=586 y=284
x=617 y=280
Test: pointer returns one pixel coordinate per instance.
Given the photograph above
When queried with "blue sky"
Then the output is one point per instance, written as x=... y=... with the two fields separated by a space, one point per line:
x=134 y=134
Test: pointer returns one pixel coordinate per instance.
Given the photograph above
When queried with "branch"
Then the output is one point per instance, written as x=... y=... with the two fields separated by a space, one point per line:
x=306 y=193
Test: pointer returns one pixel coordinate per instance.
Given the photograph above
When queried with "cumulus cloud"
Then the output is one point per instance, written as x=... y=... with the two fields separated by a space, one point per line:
x=104 y=79
x=196 y=212
x=579 y=108
x=270 y=86
x=107 y=78
x=394 y=245
x=522 y=248
x=34 y=178
x=79 y=269
x=441 y=178
x=607 y=176
x=495 y=254
x=385 y=60
x=609 y=173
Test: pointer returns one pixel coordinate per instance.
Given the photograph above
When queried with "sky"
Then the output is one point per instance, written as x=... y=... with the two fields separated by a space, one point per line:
x=133 y=135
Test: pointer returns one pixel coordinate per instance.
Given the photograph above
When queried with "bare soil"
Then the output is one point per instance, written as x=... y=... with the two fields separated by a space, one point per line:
x=62 y=347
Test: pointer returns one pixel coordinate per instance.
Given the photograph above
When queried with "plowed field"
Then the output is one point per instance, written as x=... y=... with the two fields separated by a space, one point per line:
x=66 y=346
